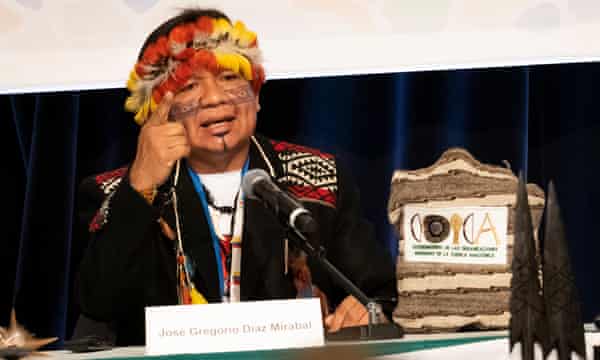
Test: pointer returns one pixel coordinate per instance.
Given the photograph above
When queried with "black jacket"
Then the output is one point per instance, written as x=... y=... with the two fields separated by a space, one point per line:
x=130 y=264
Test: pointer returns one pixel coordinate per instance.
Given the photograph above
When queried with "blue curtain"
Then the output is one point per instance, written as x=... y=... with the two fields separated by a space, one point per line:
x=541 y=120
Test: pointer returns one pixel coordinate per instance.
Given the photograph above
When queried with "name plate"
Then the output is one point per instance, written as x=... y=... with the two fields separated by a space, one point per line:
x=243 y=326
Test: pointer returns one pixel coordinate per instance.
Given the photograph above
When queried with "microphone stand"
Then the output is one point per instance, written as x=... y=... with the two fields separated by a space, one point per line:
x=376 y=328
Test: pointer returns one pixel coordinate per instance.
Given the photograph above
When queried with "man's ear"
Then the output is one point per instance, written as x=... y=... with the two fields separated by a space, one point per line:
x=257 y=99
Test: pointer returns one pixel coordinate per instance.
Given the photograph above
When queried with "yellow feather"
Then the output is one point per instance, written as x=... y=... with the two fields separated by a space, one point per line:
x=237 y=30
x=131 y=104
x=132 y=82
x=245 y=67
x=222 y=26
x=236 y=63
x=143 y=113
x=197 y=298
x=246 y=38
x=239 y=25
x=240 y=33
x=139 y=117
x=228 y=61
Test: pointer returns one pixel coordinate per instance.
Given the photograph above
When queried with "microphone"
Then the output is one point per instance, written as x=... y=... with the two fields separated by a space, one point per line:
x=257 y=184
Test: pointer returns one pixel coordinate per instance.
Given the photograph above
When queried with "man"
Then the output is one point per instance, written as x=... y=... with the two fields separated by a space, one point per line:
x=172 y=228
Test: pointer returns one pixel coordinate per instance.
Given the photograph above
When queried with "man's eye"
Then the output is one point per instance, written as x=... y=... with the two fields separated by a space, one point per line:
x=231 y=76
x=187 y=87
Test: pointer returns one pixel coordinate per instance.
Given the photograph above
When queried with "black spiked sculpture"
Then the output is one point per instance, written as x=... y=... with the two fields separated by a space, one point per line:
x=560 y=293
x=527 y=323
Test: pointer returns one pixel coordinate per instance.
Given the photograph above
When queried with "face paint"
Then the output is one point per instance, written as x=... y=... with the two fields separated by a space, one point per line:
x=240 y=95
x=180 y=111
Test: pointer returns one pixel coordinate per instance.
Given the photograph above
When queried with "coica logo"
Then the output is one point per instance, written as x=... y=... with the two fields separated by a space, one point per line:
x=436 y=228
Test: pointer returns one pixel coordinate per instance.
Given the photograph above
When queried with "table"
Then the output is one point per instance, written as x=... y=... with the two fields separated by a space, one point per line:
x=489 y=345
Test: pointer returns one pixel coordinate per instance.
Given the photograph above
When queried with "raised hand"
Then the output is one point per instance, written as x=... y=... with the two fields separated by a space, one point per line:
x=160 y=144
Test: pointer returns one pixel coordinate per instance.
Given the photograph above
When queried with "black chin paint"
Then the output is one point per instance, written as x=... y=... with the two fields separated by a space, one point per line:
x=224 y=143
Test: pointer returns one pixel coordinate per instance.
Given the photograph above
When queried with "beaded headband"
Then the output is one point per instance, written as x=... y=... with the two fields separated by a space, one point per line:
x=167 y=64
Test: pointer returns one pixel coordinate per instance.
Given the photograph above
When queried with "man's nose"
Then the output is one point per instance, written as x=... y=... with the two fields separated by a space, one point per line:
x=214 y=94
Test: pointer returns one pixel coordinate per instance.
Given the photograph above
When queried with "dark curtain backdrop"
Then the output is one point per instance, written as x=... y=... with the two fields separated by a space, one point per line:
x=543 y=120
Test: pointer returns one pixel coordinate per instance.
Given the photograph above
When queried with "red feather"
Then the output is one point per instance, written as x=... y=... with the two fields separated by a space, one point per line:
x=205 y=24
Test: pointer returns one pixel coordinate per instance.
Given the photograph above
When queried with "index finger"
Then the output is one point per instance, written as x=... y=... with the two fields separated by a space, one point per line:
x=161 y=115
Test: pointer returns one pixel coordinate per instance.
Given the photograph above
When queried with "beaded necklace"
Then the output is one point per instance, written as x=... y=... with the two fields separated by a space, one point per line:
x=228 y=266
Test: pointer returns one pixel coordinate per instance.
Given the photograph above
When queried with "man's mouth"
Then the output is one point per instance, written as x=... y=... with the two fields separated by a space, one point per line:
x=217 y=122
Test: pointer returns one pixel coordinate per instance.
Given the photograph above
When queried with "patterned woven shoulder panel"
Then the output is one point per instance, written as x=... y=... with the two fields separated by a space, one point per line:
x=308 y=173
x=108 y=183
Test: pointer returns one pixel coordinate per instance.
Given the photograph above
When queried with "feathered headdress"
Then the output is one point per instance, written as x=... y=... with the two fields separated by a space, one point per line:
x=167 y=64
